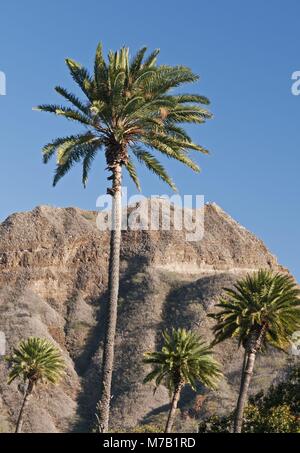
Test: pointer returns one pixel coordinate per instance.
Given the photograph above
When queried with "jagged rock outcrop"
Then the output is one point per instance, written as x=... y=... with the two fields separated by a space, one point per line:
x=53 y=279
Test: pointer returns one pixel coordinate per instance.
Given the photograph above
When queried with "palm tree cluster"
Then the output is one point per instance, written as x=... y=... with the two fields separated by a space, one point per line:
x=132 y=112
x=261 y=310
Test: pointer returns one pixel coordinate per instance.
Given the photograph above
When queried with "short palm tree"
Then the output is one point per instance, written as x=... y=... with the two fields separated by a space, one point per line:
x=35 y=360
x=128 y=113
x=261 y=309
x=183 y=360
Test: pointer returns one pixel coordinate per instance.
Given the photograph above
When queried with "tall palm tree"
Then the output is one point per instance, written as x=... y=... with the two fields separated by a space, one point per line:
x=183 y=360
x=35 y=360
x=128 y=112
x=261 y=309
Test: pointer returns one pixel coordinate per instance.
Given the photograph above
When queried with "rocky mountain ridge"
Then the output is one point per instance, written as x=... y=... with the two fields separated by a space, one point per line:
x=53 y=283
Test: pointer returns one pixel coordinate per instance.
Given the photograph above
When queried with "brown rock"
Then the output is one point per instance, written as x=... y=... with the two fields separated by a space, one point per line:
x=53 y=277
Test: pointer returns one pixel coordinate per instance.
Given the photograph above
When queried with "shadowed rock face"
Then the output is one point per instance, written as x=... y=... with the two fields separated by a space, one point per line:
x=53 y=282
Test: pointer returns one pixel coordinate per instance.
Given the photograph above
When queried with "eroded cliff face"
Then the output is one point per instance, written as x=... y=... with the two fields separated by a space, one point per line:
x=53 y=283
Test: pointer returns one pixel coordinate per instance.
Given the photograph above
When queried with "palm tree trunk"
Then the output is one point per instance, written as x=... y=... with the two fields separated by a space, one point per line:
x=253 y=345
x=243 y=370
x=242 y=400
x=113 y=289
x=172 y=412
x=242 y=374
x=23 y=407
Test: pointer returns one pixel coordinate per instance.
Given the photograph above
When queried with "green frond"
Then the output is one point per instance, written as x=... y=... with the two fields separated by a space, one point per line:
x=37 y=360
x=133 y=173
x=177 y=132
x=63 y=168
x=153 y=165
x=88 y=159
x=68 y=113
x=179 y=143
x=73 y=99
x=189 y=114
x=136 y=62
x=172 y=152
x=99 y=64
x=82 y=77
x=69 y=155
x=117 y=89
x=50 y=149
x=64 y=150
x=184 y=98
x=167 y=77
x=133 y=105
x=151 y=60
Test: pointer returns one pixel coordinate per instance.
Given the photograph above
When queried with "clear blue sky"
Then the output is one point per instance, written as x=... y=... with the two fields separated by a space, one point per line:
x=245 y=53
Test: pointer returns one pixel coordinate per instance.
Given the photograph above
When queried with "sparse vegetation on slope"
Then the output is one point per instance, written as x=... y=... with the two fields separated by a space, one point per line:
x=276 y=411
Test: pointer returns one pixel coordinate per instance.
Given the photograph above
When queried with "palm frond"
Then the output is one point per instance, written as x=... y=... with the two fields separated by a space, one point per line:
x=68 y=113
x=153 y=165
x=51 y=148
x=133 y=173
x=135 y=64
x=151 y=60
x=73 y=99
x=82 y=77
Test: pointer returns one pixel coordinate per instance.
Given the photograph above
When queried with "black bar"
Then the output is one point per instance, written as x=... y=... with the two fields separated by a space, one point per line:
x=89 y=443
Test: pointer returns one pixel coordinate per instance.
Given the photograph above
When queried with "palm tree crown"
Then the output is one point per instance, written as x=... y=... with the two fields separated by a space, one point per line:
x=262 y=308
x=36 y=360
x=128 y=112
x=183 y=359
x=263 y=300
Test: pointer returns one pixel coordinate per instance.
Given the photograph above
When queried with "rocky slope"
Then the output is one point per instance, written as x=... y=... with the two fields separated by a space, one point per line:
x=53 y=278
